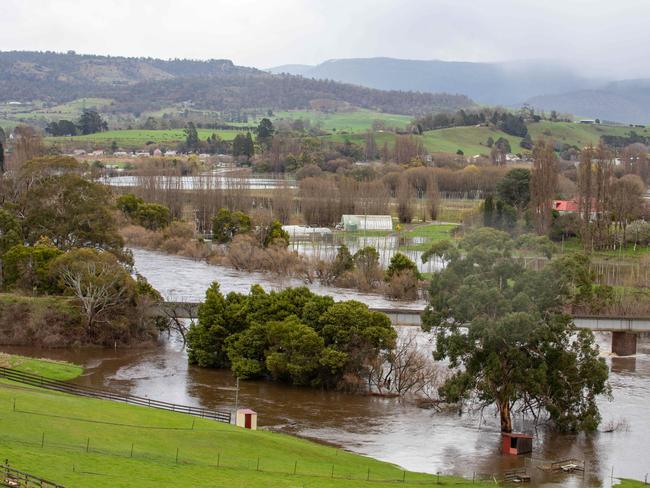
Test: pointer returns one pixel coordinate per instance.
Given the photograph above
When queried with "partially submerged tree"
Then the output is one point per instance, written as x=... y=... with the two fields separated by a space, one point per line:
x=504 y=332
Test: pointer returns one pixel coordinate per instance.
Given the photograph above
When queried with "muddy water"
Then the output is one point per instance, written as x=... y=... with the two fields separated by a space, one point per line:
x=205 y=182
x=417 y=439
x=183 y=279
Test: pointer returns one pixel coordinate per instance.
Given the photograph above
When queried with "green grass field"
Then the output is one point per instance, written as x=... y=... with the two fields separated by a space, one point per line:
x=625 y=483
x=353 y=121
x=574 y=245
x=139 y=138
x=470 y=140
x=57 y=370
x=85 y=442
x=430 y=233
x=579 y=135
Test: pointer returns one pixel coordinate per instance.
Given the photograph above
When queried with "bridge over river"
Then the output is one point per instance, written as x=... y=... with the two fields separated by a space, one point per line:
x=624 y=329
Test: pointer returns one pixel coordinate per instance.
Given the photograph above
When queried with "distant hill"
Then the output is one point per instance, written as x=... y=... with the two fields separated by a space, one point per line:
x=138 y=84
x=490 y=83
x=622 y=101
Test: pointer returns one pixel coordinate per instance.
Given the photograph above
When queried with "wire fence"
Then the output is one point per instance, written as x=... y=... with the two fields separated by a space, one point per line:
x=62 y=386
x=234 y=462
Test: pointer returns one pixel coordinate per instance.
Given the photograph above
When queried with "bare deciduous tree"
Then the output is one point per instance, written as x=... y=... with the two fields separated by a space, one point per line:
x=96 y=280
x=543 y=185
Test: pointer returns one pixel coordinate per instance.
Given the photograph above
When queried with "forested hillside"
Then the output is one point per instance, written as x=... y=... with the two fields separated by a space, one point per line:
x=138 y=84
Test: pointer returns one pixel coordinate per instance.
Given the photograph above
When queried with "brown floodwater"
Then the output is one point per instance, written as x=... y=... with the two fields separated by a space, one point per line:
x=387 y=429
x=383 y=428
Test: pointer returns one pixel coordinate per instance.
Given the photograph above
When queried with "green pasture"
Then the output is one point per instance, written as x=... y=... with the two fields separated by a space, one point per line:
x=85 y=442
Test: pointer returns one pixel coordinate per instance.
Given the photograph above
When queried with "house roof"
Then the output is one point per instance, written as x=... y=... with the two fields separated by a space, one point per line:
x=566 y=205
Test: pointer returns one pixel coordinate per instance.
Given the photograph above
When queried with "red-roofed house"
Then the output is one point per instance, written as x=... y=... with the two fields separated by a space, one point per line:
x=566 y=206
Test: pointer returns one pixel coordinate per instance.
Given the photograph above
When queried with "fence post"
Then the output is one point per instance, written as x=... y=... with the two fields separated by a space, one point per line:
x=295 y=466
x=332 y=475
x=193 y=420
x=132 y=449
x=14 y=404
x=403 y=476
x=43 y=440
x=218 y=458
x=368 y=476
x=177 y=455
x=258 y=464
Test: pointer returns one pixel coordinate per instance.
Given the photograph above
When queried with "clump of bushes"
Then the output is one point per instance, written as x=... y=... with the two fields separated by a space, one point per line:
x=152 y=216
x=293 y=335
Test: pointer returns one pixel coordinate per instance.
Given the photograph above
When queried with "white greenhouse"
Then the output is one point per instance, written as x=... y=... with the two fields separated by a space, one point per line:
x=367 y=222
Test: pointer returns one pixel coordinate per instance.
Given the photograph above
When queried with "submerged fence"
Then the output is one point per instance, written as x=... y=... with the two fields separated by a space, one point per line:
x=62 y=386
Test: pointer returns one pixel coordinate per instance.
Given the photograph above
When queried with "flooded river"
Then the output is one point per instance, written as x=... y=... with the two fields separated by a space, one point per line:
x=417 y=439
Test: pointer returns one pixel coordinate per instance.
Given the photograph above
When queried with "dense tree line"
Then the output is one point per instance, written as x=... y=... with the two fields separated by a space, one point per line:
x=59 y=236
x=89 y=122
x=507 y=121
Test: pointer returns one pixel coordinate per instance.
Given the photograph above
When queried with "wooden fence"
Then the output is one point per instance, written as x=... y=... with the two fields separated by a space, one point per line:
x=42 y=382
x=20 y=479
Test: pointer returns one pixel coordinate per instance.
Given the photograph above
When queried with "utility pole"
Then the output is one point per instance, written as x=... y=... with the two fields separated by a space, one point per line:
x=237 y=396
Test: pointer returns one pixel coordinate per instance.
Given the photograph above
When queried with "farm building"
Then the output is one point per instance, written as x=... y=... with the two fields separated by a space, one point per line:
x=367 y=222
x=564 y=207
x=300 y=231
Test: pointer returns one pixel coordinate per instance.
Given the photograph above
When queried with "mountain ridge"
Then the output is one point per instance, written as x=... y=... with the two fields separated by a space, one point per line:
x=139 y=84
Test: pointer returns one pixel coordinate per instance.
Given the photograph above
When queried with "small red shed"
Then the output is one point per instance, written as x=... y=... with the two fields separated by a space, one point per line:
x=516 y=443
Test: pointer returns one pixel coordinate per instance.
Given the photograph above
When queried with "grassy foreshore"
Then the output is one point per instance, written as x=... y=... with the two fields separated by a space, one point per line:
x=81 y=442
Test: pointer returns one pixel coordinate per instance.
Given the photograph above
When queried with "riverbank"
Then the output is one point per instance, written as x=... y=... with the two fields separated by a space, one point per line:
x=86 y=442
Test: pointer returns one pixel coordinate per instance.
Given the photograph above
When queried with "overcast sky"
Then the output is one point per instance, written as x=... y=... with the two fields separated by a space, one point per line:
x=610 y=37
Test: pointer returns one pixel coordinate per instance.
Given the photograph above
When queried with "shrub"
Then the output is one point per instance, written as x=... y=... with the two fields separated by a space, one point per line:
x=403 y=285
x=152 y=216
x=399 y=263
x=28 y=267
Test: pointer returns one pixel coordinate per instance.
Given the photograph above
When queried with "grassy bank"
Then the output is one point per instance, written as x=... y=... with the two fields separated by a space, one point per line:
x=86 y=442
x=56 y=370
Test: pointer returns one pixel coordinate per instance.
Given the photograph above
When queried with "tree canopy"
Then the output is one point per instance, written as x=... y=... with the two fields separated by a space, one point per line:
x=503 y=329
x=291 y=335
x=514 y=188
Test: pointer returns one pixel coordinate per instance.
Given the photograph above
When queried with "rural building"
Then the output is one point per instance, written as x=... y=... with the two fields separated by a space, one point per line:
x=564 y=207
x=516 y=443
x=367 y=222
x=298 y=231
x=157 y=152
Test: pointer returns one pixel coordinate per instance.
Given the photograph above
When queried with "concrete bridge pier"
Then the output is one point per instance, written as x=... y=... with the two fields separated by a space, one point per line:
x=623 y=343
